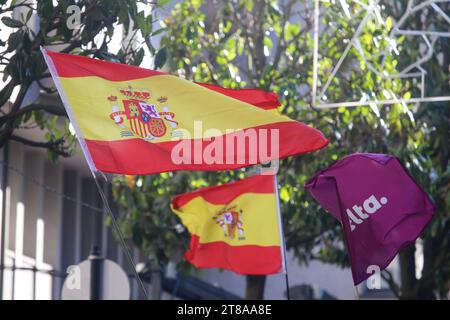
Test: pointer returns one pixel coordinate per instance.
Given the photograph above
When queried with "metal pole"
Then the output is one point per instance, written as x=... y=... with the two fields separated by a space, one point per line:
x=357 y=293
x=347 y=49
x=34 y=270
x=351 y=104
x=156 y=281
x=96 y=274
x=282 y=238
x=13 y=284
x=121 y=237
x=315 y=51
x=3 y=216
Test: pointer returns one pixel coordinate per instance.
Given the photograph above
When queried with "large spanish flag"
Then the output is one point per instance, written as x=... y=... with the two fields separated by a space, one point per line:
x=234 y=226
x=131 y=120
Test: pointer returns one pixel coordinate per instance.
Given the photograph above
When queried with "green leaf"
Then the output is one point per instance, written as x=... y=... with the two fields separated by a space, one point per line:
x=29 y=14
x=248 y=5
x=161 y=30
x=389 y=23
x=161 y=58
x=14 y=41
x=5 y=74
x=284 y=194
x=145 y=25
x=12 y=23
x=407 y=96
x=162 y=3
x=268 y=42
x=138 y=57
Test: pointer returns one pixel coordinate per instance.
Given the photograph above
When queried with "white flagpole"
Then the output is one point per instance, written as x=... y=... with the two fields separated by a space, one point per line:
x=282 y=238
x=356 y=292
x=92 y=168
x=121 y=238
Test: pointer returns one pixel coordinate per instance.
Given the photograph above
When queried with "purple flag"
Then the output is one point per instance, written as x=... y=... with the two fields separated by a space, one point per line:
x=380 y=206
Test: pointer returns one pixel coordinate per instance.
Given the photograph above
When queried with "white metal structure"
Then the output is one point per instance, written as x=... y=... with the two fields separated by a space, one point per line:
x=415 y=70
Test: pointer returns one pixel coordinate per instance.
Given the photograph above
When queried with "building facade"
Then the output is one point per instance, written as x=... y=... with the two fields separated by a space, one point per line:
x=54 y=215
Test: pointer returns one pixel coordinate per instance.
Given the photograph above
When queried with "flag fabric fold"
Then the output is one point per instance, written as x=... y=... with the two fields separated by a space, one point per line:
x=380 y=206
x=258 y=98
x=234 y=226
x=131 y=120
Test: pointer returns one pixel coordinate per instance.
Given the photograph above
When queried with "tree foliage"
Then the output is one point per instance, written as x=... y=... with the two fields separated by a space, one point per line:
x=30 y=25
x=268 y=44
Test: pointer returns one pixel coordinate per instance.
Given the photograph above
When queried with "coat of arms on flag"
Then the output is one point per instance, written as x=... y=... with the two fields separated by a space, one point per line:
x=230 y=220
x=146 y=118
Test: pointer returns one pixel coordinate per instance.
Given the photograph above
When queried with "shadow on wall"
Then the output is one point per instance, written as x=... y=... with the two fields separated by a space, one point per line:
x=308 y=292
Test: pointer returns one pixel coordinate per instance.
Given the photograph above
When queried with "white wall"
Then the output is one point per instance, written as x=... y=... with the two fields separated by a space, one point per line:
x=336 y=281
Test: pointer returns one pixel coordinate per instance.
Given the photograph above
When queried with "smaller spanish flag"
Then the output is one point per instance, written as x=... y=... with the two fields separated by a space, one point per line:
x=235 y=226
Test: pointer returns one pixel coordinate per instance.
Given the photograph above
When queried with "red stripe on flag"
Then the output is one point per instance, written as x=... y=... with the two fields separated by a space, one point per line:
x=246 y=259
x=220 y=195
x=131 y=156
x=71 y=66
x=256 y=97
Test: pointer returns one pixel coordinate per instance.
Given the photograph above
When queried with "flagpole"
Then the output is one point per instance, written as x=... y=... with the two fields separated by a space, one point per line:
x=92 y=168
x=282 y=238
x=121 y=237
x=356 y=292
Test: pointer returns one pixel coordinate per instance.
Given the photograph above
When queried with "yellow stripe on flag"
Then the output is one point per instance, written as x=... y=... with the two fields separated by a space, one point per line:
x=188 y=101
x=259 y=220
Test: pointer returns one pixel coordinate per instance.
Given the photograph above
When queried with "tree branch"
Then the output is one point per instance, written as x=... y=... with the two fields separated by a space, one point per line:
x=58 y=111
x=56 y=145
x=387 y=276
x=6 y=92
x=9 y=124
